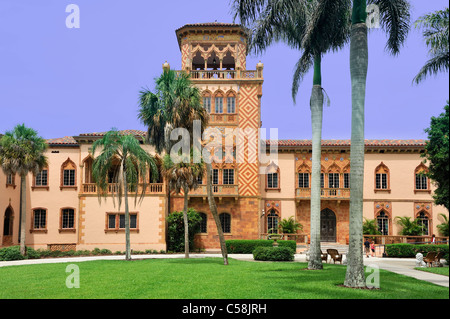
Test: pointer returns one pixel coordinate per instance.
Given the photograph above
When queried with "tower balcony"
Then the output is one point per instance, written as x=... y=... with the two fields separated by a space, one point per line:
x=226 y=75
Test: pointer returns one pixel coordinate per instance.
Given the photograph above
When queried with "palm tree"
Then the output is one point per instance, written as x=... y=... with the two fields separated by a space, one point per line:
x=314 y=28
x=122 y=157
x=183 y=176
x=395 y=20
x=22 y=152
x=176 y=103
x=435 y=32
x=409 y=227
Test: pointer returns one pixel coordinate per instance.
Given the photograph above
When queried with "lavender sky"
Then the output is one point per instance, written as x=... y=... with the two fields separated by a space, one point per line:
x=64 y=82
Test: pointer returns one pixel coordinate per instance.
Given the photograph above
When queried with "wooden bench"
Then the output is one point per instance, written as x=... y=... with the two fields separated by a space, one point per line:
x=334 y=254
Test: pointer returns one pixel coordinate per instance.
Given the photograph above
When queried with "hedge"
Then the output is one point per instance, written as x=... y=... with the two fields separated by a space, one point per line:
x=273 y=253
x=410 y=250
x=237 y=246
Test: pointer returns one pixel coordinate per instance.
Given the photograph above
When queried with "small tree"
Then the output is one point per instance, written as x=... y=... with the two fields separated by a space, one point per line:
x=176 y=229
x=370 y=227
x=290 y=226
x=133 y=163
x=409 y=227
x=22 y=152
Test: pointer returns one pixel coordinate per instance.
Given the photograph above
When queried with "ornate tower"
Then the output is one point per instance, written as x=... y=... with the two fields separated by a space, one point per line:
x=215 y=56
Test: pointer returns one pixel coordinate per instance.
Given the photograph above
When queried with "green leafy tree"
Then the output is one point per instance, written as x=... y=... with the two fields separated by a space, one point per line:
x=123 y=158
x=22 y=152
x=437 y=154
x=183 y=176
x=435 y=32
x=176 y=229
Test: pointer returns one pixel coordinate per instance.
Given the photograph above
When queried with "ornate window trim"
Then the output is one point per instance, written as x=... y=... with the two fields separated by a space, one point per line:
x=381 y=170
x=421 y=168
x=68 y=164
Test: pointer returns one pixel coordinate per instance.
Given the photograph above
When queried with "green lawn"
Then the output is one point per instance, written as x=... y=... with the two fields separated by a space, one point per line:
x=435 y=270
x=202 y=278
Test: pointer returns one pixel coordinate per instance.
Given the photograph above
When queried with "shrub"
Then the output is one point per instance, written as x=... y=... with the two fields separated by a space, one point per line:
x=11 y=253
x=273 y=254
x=410 y=250
x=248 y=246
x=176 y=229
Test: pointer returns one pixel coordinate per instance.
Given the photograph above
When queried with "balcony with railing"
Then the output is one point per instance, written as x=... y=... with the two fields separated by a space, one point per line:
x=325 y=193
x=220 y=190
x=153 y=188
x=224 y=75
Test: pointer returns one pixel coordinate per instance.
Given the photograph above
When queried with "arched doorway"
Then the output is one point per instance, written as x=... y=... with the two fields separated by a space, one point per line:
x=327 y=225
x=8 y=226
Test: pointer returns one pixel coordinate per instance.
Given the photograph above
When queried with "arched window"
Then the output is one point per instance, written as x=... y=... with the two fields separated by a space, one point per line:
x=207 y=101
x=225 y=221
x=421 y=180
x=273 y=177
x=218 y=103
x=383 y=223
x=68 y=174
x=231 y=103
x=304 y=176
x=382 y=177
x=203 y=223
x=272 y=222
x=423 y=220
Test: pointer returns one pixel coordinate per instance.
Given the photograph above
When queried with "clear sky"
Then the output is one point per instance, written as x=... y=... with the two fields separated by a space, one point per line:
x=64 y=82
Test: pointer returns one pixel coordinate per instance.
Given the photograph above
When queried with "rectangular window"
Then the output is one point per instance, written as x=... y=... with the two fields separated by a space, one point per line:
x=381 y=181
x=199 y=180
x=219 y=105
x=10 y=179
x=40 y=216
x=112 y=221
x=346 y=180
x=303 y=180
x=333 y=180
x=228 y=176
x=69 y=177
x=68 y=218
x=215 y=176
x=231 y=105
x=322 y=180
x=421 y=181
x=272 y=180
x=42 y=178
x=207 y=104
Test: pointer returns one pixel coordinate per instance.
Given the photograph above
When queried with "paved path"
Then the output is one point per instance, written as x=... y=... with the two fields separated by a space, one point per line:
x=404 y=266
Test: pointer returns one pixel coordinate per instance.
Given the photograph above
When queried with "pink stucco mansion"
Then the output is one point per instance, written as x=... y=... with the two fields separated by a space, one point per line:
x=63 y=210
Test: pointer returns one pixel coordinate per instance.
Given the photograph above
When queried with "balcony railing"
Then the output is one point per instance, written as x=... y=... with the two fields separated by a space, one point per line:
x=223 y=118
x=225 y=74
x=332 y=193
x=219 y=190
x=153 y=188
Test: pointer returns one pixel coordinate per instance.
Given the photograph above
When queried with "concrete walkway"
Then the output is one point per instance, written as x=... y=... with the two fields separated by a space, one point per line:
x=403 y=266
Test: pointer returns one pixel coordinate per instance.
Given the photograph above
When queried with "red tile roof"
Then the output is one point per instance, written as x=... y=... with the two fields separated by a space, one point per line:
x=368 y=143
x=123 y=132
x=67 y=141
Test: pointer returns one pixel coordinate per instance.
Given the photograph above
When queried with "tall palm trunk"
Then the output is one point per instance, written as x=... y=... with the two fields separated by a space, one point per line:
x=127 y=216
x=23 y=213
x=315 y=260
x=186 y=223
x=358 y=69
x=213 y=209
